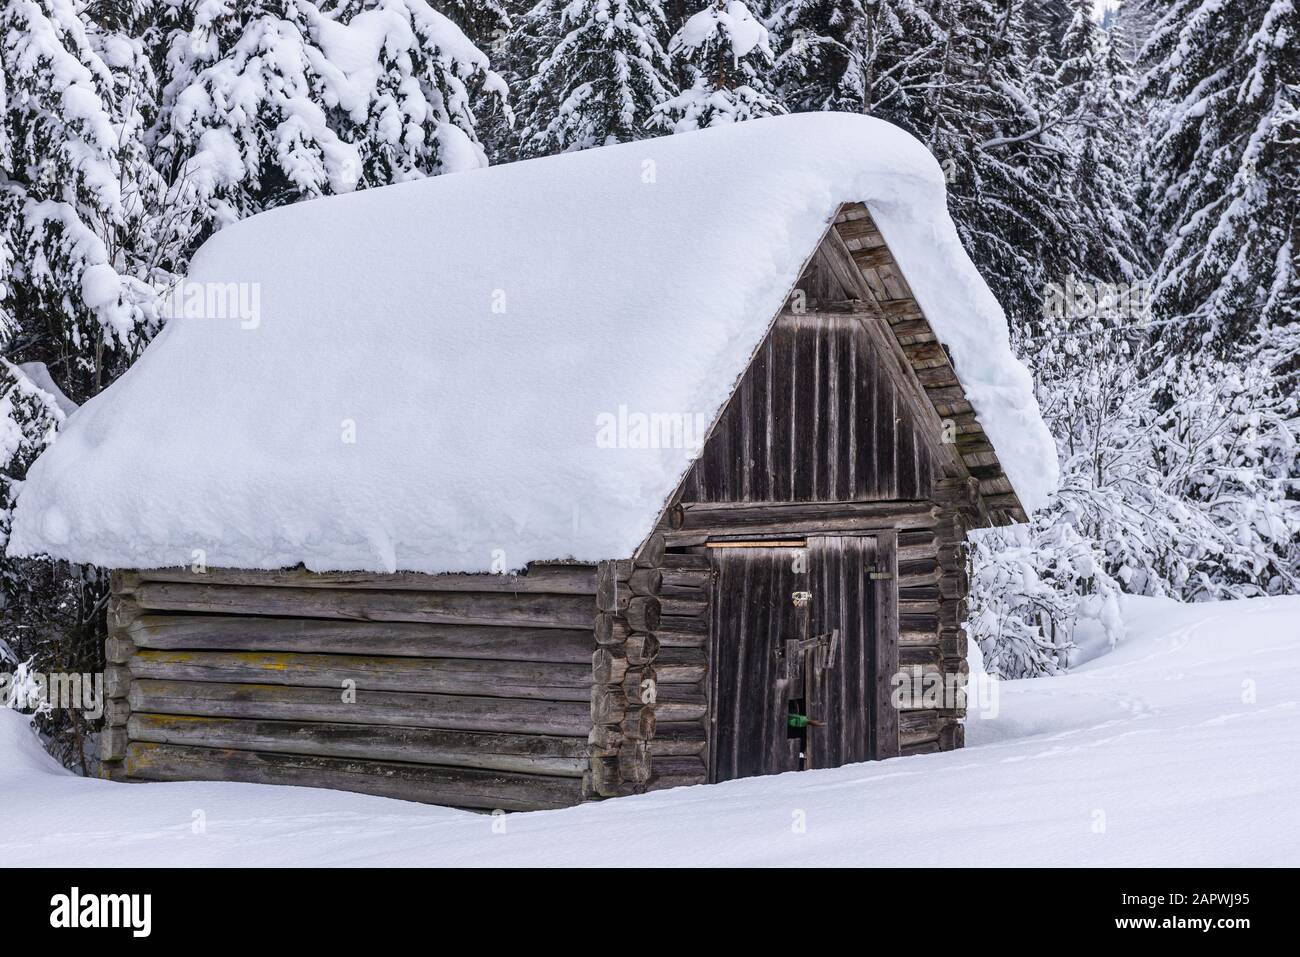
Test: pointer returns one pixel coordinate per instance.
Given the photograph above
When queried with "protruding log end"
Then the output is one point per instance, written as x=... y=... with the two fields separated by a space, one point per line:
x=643 y=613
x=651 y=554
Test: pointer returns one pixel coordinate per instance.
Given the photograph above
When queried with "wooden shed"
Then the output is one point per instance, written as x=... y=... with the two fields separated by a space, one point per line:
x=811 y=552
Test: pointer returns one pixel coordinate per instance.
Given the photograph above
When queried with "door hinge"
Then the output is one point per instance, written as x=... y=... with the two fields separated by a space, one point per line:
x=881 y=576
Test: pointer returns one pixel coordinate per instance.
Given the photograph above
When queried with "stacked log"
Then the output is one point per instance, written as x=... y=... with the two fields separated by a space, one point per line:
x=117 y=682
x=963 y=507
x=919 y=579
x=680 y=743
x=622 y=680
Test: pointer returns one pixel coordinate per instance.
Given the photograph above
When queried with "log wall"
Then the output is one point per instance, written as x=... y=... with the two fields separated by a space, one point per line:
x=468 y=690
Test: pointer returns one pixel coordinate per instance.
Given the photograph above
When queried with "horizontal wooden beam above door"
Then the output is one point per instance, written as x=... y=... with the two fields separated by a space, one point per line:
x=760 y=543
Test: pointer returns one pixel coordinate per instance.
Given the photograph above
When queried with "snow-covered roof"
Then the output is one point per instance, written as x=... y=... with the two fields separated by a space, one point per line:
x=415 y=377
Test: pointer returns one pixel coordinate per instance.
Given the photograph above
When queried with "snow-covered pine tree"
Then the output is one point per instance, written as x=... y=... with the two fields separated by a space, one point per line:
x=1131 y=24
x=992 y=120
x=244 y=109
x=413 y=110
x=1047 y=19
x=272 y=101
x=485 y=22
x=726 y=54
x=880 y=57
x=1177 y=472
x=599 y=80
x=30 y=417
x=534 y=33
x=76 y=193
x=973 y=80
x=107 y=185
x=164 y=214
x=1093 y=84
x=81 y=214
x=1221 y=167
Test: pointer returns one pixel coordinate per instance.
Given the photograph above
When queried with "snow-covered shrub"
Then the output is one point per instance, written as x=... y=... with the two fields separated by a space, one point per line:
x=21 y=691
x=29 y=420
x=1180 y=477
x=51 y=613
x=1225 y=456
x=1031 y=587
x=1184 y=475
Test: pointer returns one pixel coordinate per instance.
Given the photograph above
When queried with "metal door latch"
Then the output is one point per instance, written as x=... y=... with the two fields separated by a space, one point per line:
x=801 y=598
x=827 y=643
x=881 y=576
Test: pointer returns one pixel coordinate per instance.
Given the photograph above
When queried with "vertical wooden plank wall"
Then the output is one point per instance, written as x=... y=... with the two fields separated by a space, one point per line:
x=814 y=419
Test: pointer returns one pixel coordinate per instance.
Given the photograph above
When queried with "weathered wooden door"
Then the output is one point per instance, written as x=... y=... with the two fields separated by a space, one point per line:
x=800 y=637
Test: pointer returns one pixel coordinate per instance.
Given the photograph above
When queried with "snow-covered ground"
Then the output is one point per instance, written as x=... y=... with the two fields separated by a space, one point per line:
x=1180 y=747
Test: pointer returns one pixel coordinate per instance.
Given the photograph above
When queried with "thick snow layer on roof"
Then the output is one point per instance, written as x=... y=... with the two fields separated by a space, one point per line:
x=415 y=377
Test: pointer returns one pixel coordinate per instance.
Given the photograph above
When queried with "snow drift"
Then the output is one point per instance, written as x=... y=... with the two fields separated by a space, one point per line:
x=411 y=377
x=1177 y=749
